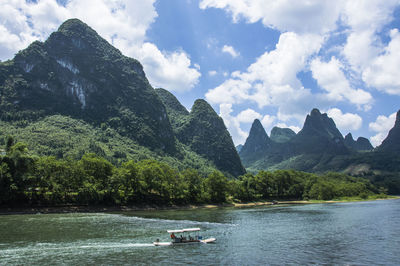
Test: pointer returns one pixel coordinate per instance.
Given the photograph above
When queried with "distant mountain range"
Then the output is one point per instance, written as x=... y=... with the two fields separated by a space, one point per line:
x=77 y=77
x=319 y=147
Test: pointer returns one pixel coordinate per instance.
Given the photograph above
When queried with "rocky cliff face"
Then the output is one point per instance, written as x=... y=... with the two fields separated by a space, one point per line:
x=77 y=73
x=392 y=142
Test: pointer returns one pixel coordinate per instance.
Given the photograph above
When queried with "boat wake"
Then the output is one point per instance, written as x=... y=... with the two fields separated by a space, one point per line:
x=189 y=222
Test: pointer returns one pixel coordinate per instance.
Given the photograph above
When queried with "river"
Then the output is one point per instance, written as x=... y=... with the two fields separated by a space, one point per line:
x=358 y=233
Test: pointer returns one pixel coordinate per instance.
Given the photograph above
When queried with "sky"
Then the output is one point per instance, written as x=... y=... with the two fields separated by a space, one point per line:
x=274 y=60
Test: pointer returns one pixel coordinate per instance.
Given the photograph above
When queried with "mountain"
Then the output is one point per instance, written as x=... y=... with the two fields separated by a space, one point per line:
x=318 y=135
x=256 y=145
x=320 y=147
x=76 y=93
x=392 y=142
x=281 y=135
x=362 y=144
x=205 y=133
x=77 y=73
x=311 y=149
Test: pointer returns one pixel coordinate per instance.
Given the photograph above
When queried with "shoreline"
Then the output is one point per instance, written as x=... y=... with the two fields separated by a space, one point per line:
x=149 y=207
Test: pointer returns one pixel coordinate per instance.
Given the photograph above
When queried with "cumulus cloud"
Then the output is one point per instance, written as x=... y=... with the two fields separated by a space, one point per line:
x=331 y=78
x=364 y=50
x=345 y=121
x=123 y=23
x=272 y=79
x=267 y=121
x=230 y=50
x=381 y=127
x=248 y=116
x=311 y=16
x=168 y=70
x=382 y=73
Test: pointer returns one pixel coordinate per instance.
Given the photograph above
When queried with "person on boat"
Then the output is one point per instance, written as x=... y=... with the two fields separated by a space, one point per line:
x=173 y=236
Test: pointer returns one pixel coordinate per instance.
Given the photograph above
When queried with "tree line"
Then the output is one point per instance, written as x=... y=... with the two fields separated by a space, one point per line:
x=26 y=179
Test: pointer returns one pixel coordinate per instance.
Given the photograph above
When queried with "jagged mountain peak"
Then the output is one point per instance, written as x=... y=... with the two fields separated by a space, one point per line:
x=257 y=143
x=349 y=136
x=392 y=142
x=315 y=112
x=361 y=144
x=320 y=124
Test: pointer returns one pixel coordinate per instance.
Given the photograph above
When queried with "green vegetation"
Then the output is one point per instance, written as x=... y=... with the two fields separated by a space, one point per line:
x=27 y=179
x=69 y=138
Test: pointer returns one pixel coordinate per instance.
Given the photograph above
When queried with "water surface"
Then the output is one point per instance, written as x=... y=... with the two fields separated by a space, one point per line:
x=361 y=233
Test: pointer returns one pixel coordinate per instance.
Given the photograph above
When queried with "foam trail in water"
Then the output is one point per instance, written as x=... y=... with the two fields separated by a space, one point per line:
x=177 y=221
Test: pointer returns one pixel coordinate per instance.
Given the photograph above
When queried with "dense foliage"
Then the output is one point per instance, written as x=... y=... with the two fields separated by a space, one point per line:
x=66 y=137
x=31 y=180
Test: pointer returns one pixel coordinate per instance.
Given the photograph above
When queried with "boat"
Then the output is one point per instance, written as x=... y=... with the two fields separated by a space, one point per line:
x=184 y=236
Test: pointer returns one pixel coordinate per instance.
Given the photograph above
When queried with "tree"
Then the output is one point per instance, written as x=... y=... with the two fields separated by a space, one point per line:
x=193 y=181
x=216 y=187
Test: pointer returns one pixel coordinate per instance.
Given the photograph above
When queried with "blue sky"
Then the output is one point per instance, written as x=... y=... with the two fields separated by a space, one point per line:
x=273 y=60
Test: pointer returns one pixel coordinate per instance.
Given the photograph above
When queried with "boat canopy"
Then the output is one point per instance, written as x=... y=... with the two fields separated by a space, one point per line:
x=184 y=230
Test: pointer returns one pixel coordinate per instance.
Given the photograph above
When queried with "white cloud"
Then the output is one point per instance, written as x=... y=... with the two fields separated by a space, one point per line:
x=345 y=121
x=212 y=73
x=248 y=116
x=311 y=16
x=381 y=127
x=373 y=60
x=383 y=71
x=230 y=50
x=232 y=123
x=272 y=79
x=331 y=78
x=267 y=121
x=123 y=23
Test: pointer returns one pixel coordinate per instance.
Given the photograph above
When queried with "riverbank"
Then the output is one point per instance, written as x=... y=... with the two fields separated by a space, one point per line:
x=150 y=207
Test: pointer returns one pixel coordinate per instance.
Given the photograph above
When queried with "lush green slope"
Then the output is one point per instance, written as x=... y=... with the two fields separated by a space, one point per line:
x=66 y=137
